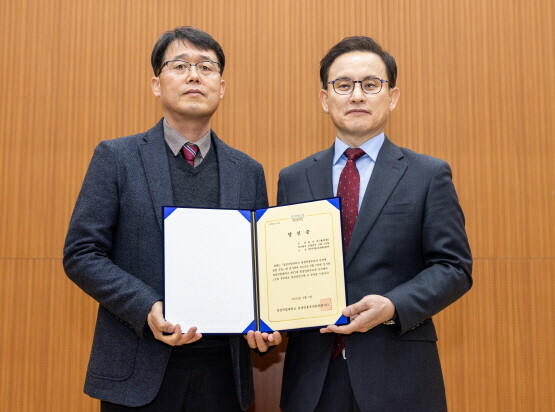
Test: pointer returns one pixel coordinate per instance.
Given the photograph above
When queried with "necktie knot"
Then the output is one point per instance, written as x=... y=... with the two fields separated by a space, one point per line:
x=354 y=153
x=189 y=152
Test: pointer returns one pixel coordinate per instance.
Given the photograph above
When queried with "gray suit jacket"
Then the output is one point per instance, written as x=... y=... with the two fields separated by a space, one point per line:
x=114 y=252
x=409 y=244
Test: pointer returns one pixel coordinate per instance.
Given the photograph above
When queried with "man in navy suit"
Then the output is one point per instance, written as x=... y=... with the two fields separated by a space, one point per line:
x=114 y=246
x=407 y=257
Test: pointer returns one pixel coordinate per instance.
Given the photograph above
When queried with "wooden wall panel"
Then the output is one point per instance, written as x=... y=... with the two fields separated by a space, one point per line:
x=496 y=344
x=45 y=338
x=477 y=87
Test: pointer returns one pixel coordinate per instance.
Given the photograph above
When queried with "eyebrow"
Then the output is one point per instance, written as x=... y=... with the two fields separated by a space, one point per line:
x=185 y=55
x=372 y=76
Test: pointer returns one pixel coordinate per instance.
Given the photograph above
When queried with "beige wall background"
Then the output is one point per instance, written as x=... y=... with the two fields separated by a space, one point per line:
x=477 y=89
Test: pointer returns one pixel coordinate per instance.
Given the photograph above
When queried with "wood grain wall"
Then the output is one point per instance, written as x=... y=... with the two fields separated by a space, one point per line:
x=477 y=89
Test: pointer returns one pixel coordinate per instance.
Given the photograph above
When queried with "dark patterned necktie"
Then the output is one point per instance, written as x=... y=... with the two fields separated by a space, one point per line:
x=189 y=152
x=348 y=190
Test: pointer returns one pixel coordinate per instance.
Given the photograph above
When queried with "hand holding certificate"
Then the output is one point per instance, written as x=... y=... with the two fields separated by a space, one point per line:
x=231 y=271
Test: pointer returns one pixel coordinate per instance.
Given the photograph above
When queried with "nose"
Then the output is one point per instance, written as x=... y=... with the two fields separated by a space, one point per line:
x=357 y=95
x=192 y=75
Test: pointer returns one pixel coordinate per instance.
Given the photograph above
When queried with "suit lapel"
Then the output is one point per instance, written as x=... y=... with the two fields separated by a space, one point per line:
x=388 y=170
x=154 y=157
x=319 y=175
x=229 y=174
x=157 y=170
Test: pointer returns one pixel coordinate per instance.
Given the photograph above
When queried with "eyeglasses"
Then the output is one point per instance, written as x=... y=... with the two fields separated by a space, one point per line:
x=372 y=85
x=181 y=67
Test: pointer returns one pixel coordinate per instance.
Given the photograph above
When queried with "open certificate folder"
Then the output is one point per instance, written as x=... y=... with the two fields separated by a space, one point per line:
x=231 y=271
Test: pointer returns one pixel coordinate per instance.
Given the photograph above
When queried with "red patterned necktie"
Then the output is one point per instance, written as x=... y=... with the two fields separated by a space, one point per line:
x=348 y=190
x=189 y=152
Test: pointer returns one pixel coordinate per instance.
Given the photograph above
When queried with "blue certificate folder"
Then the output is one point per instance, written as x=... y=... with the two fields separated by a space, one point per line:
x=231 y=271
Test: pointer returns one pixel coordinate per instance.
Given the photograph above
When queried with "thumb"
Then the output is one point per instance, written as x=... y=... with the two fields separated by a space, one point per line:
x=157 y=318
x=166 y=326
x=354 y=309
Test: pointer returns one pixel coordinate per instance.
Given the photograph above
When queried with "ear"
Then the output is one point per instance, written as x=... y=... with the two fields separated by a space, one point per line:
x=222 y=88
x=324 y=100
x=155 y=86
x=394 y=95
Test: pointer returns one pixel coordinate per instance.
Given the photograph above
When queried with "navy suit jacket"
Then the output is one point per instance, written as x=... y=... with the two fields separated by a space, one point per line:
x=408 y=244
x=114 y=252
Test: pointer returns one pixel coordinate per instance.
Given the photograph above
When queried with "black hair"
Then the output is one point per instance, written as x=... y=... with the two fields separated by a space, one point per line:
x=357 y=43
x=195 y=36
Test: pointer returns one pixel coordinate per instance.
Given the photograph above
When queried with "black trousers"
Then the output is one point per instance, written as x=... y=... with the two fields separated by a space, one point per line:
x=337 y=394
x=199 y=379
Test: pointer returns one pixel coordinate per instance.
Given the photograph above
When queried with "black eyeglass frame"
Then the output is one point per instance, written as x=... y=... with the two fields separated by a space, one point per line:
x=382 y=81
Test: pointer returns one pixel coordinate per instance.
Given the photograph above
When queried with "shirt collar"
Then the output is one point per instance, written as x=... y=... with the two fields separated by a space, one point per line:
x=371 y=147
x=176 y=140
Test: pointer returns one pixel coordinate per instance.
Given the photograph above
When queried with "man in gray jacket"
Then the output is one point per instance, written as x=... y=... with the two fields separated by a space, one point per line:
x=114 y=244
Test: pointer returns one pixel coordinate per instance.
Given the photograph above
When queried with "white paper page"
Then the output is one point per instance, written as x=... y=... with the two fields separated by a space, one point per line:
x=208 y=270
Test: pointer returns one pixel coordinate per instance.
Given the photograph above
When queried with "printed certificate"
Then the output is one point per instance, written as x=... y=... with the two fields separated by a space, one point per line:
x=231 y=271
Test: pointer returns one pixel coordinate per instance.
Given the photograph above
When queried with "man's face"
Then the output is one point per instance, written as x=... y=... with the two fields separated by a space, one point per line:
x=189 y=96
x=358 y=116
